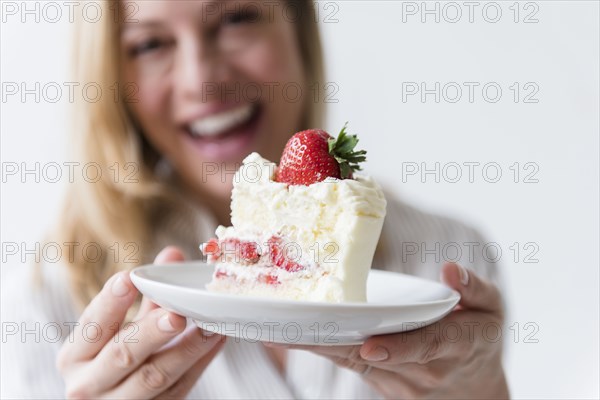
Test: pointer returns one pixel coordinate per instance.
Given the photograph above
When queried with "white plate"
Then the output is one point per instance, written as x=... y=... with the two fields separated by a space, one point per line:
x=396 y=303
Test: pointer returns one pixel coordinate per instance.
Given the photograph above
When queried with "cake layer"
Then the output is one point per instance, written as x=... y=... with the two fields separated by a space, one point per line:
x=276 y=282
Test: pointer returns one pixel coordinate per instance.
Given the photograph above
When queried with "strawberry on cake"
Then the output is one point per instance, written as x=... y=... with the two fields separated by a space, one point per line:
x=306 y=230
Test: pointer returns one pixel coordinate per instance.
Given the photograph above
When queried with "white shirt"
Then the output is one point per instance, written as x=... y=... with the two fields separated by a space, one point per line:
x=36 y=319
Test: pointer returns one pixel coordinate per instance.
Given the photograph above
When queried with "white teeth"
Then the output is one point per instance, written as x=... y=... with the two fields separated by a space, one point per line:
x=216 y=124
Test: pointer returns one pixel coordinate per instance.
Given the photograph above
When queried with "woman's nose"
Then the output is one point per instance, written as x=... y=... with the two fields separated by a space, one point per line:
x=200 y=73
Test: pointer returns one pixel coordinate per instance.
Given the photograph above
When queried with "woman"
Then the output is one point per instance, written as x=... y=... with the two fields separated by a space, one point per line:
x=201 y=84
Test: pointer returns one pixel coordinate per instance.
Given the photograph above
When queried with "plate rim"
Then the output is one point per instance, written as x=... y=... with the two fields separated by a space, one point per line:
x=134 y=275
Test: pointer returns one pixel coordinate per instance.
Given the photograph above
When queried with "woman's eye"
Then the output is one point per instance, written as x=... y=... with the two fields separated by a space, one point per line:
x=146 y=47
x=240 y=17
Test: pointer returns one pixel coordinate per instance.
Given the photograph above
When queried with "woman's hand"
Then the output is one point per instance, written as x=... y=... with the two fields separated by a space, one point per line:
x=457 y=357
x=104 y=359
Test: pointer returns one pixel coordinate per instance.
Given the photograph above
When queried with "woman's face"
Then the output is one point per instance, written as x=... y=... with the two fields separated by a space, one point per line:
x=209 y=80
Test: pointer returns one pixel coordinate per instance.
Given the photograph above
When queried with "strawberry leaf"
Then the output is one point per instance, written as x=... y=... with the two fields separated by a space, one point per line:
x=342 y=149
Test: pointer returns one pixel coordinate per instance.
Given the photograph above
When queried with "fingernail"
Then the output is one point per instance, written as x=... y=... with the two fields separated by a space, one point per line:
x=119 y=287
x=377 y=354
x=464 y=275
x=164 y=324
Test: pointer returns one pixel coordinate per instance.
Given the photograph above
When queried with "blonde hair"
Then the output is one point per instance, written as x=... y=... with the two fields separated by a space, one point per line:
x=112 y=212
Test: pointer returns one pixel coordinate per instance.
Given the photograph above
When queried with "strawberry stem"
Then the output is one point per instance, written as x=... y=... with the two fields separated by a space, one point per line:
x=342 y=148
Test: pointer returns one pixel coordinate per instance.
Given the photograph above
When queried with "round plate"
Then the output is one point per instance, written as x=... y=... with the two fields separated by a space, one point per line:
x=396 y=303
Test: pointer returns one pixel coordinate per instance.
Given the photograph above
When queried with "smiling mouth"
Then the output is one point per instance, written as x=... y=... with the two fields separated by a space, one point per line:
x=226 y=136
x=223 y=124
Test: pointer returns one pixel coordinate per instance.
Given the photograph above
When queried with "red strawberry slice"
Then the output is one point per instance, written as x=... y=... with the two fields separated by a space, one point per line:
x=248 y=252
x=269 y=279
x=313 y=155
x=221 y=274
x=211 y=249
x=278 y=255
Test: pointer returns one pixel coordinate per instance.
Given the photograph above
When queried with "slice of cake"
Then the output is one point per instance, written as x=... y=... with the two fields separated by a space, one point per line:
x=306 y=230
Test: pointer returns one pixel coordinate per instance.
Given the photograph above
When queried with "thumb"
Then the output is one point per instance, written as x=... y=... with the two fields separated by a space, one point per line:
x=475 y=292
x=169 y=254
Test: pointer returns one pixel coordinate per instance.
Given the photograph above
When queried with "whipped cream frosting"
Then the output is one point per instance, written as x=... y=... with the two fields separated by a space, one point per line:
x=332 y=226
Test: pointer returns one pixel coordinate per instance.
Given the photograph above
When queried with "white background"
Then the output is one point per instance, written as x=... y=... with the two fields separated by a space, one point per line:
x=371 y=50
